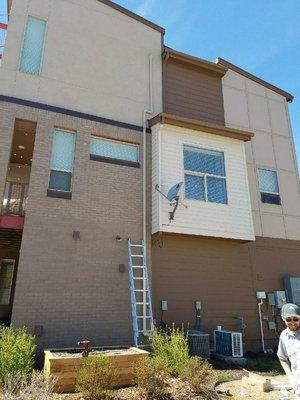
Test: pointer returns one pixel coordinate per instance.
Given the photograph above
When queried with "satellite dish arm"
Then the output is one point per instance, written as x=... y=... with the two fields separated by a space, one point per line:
x=157 y=188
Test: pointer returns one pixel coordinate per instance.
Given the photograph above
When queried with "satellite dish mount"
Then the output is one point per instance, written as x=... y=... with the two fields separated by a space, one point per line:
x=173 y=198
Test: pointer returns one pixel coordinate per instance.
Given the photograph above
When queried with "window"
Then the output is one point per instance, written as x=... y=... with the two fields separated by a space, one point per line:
x=204 y=175
x=33 y=46
x=62 y=160
x=6 y=278
x=114 y=152
x=268 y=186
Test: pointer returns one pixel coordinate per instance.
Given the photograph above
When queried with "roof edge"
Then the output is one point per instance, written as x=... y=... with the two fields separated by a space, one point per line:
x=199 y=62
x=229 y=65
x=203 y=126
x=133 y=15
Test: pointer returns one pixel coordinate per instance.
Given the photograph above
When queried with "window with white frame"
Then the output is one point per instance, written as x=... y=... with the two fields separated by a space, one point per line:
x=7 y=267
x=114 y=151
x=62 y=161
x=204 y=175
x=33 y=46
x=268 y=186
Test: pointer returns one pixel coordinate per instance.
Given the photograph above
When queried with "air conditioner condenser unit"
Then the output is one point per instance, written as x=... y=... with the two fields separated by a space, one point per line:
x=228 y=343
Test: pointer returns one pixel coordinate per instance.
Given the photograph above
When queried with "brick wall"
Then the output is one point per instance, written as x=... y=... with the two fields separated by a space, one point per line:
x=224 y=275
x=74 y=288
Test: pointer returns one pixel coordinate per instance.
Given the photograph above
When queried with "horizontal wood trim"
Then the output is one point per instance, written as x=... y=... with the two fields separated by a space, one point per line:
x=94 y=157
x=228 y=65
x=196 y=61
x=188 y=123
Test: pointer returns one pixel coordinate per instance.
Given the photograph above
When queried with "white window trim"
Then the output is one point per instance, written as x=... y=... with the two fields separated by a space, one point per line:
x=119 y=142
x=12 y=278
x=204 y=175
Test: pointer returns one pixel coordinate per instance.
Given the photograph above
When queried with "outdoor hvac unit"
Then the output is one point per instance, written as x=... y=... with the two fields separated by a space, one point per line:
x=199 y=344
x=228 y=343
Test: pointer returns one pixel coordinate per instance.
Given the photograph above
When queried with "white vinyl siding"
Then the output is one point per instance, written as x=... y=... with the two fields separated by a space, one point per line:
x=232 y=220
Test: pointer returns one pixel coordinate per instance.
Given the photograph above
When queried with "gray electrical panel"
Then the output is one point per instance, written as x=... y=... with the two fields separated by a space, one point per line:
x=271 y=299
x=292 y=289
x=280 y=298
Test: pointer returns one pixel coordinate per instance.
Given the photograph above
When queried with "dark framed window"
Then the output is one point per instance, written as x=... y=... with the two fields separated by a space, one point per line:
x=204 y=175
x=62 y=162
x=7 y=267
x=268 y=186
x=114 y=151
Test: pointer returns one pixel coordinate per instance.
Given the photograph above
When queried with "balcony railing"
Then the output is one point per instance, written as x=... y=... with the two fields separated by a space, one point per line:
x=15 y=197
x=3 y=29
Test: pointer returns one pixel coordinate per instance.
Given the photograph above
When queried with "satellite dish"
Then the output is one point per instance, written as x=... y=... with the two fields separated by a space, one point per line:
x=173 y=198
x=173 y=192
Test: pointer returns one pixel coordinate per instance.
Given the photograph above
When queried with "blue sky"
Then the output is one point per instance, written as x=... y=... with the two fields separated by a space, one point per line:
x=261 y=36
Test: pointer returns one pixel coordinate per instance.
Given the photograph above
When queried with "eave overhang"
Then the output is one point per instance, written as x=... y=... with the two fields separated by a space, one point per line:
x=164 y=118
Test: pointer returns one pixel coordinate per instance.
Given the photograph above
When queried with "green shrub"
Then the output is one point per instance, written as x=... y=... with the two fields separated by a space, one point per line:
x=151 y=376
x=96 y=377
x=200 y=377
x=38 y=386
x=172 y=349
x=17 y=351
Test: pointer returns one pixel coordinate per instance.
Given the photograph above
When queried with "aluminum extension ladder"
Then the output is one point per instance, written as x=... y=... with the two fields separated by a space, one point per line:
x=141 y=305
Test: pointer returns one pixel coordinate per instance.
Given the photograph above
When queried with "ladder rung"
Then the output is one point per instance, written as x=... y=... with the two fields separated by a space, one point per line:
x=137 y=255
x=138 y=266
x=136 y=245
x=139 y=278
x=141 y=290
x=144 y=317
x=141 y=303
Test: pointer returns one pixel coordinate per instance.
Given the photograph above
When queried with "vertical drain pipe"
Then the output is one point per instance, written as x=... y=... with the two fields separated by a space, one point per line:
x=261 y=325
x=145 y=113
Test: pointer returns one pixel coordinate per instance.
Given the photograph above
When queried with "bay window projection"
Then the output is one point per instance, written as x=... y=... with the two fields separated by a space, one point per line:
x=204 y=175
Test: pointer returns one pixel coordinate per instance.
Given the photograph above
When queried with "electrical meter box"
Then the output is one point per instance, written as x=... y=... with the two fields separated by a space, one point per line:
x=271 y=299
x=198 y=305
x=292 y=288
x=164 y=305
x=261 y=295
x=280 y=298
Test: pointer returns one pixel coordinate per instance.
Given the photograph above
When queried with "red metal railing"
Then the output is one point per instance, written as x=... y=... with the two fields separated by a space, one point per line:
x=3 y=30
x=15 y=197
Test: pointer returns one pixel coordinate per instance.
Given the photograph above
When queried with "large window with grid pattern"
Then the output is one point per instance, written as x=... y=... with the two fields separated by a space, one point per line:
x=204 y=175
x=62 y=160
x=268 y=186
x=33 y=46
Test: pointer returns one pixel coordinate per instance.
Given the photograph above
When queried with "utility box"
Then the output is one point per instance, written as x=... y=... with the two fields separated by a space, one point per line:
x=271 y=299
x=292 y=289
x=199 y=344
x=280 y=298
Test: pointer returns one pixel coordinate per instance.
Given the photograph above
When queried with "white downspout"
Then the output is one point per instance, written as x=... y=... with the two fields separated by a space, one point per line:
x=261 y=326
x=145 y=113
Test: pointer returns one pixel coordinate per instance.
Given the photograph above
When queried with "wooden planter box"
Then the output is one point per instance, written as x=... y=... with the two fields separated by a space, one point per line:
x=63 y=366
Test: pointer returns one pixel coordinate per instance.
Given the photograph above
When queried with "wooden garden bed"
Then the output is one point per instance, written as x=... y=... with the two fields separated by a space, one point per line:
x=63 y=365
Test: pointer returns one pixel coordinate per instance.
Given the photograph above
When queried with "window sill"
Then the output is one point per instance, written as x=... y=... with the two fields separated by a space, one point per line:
x=59 y=194
x=115 y=161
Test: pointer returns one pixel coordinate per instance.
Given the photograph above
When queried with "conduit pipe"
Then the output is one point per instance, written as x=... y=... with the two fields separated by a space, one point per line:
x=261 y=325
x=145 y=113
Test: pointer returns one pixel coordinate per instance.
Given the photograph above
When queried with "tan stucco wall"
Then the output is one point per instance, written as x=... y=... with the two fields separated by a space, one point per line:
x=249 y=105
x=96 y=59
